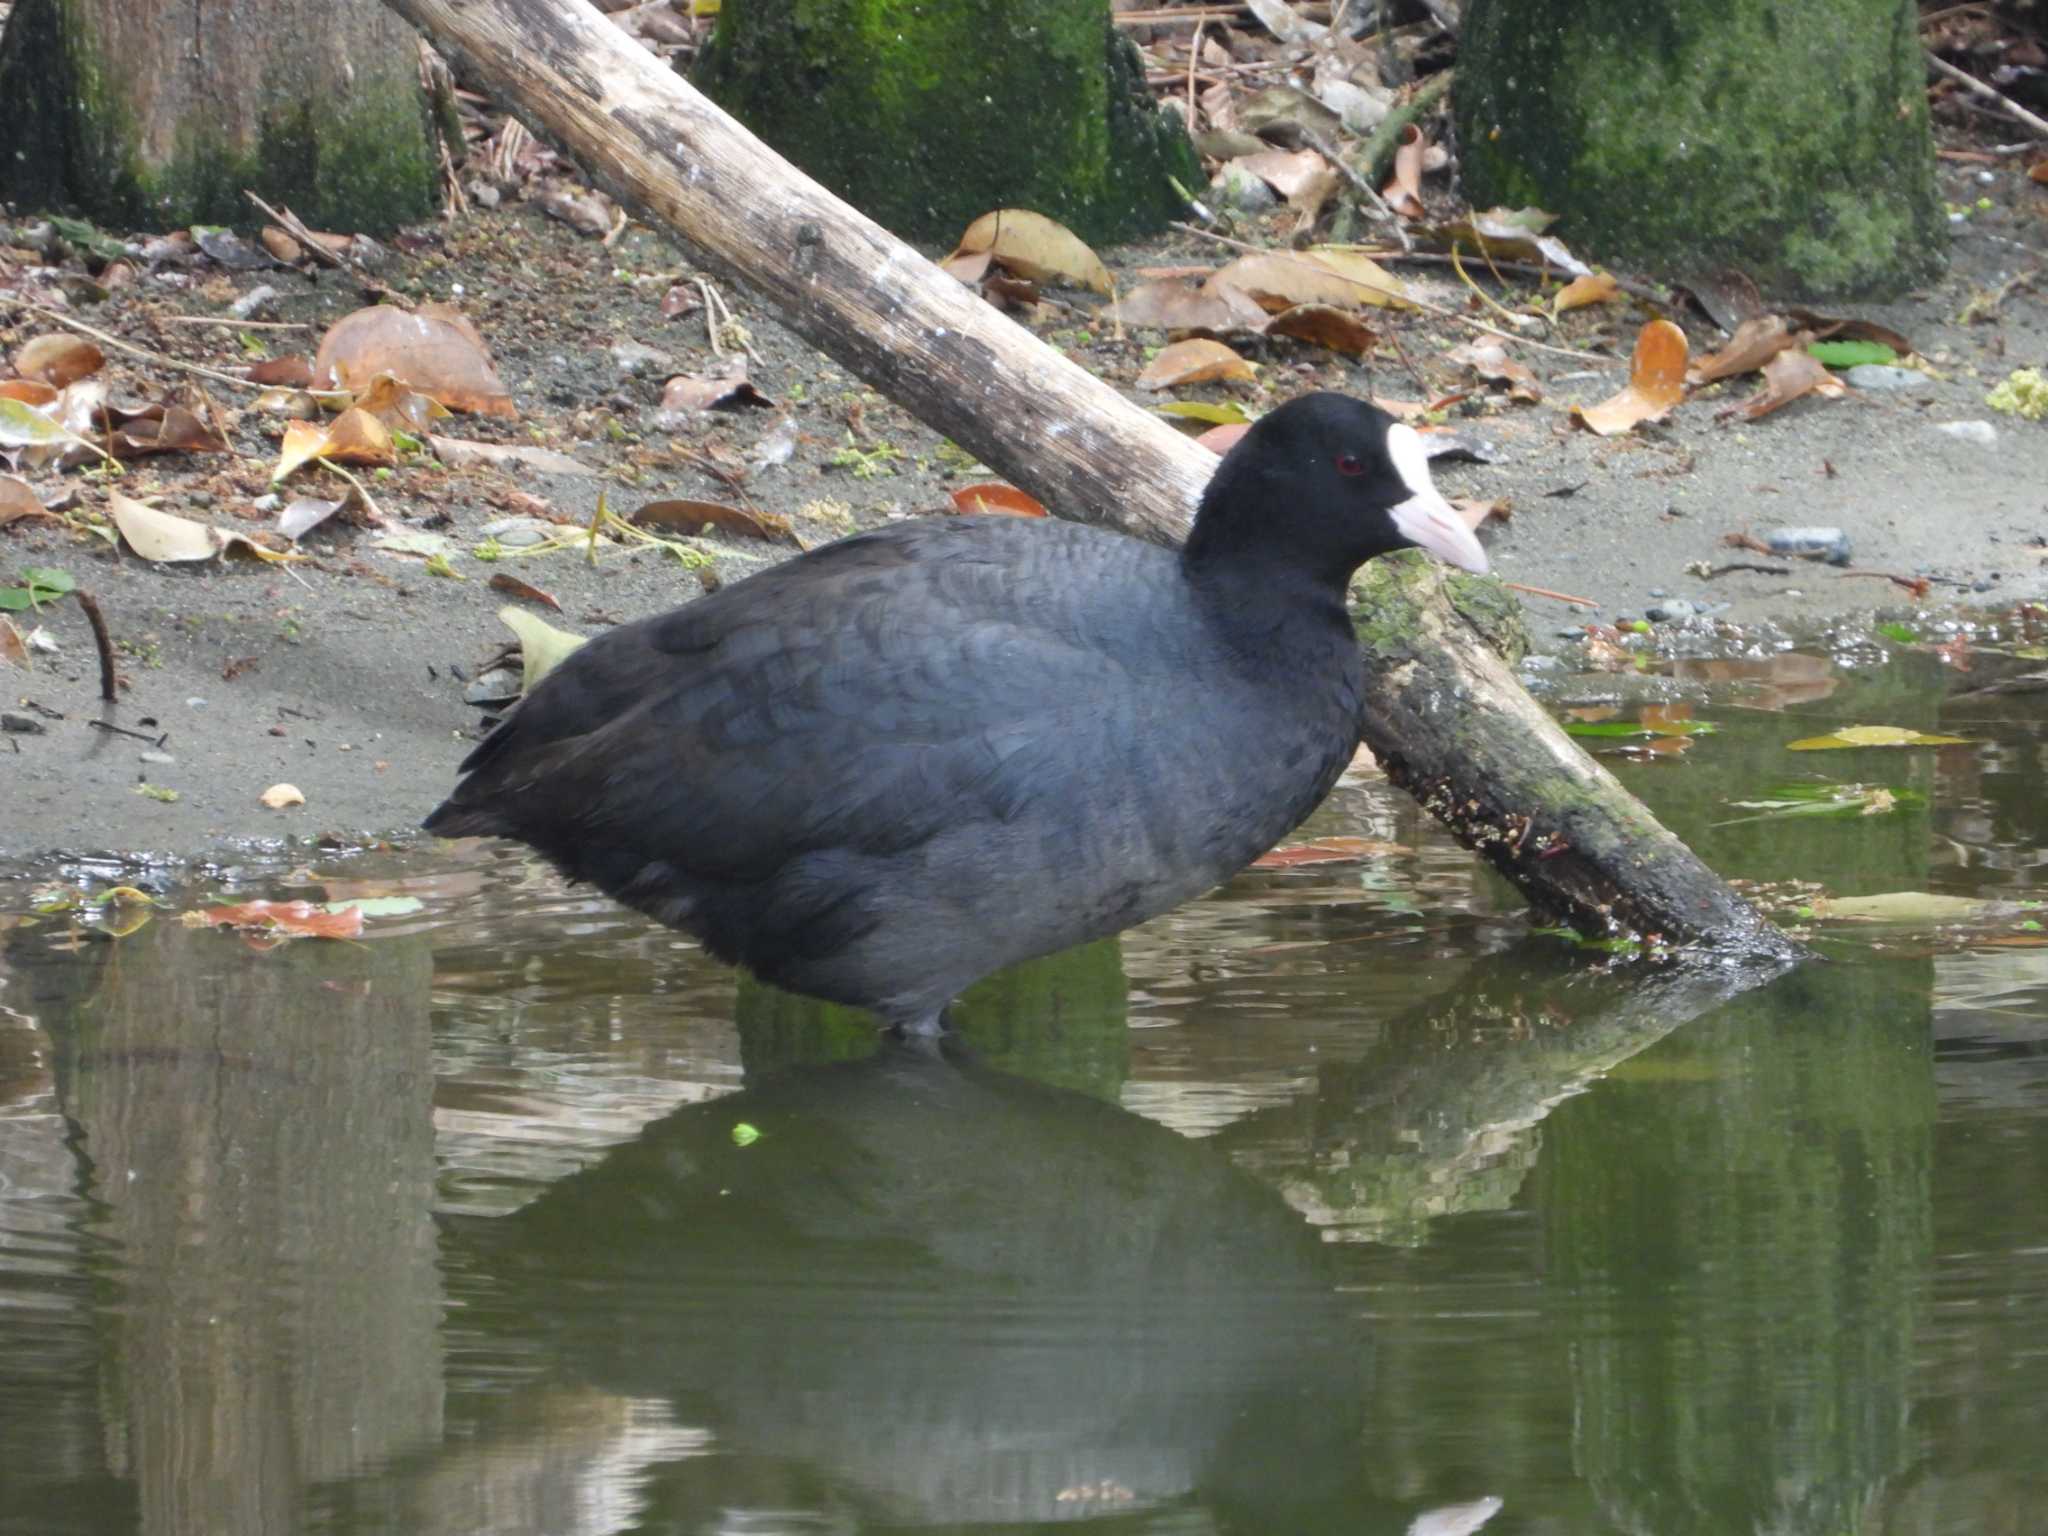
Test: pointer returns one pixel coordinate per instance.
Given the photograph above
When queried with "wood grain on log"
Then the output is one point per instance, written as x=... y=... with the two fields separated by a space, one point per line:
x=1444 y=713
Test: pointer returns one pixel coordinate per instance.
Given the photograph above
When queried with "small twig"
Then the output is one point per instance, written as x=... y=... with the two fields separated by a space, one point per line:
x=122 y=730
x=317 y=249
x=1194 y=57
x=2005 y=103
x=240 y=325
x=144 y=353
x=710 y=315
x=1358 y=184
x=1917 y=585
x=1562 y=597
x=1746 y=565
x=104 y=641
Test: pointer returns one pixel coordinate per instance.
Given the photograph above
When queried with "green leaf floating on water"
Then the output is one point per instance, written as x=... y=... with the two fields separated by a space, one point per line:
x=1639 y=728
x=1873 y=736
x=1903 y=633
x=1841 y=800
x=1847 y=354
x=744 y=1135
x=1910 y=907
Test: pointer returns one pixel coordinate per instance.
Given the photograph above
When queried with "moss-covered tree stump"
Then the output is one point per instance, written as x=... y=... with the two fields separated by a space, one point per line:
x=158 y=113
x=1789 y=140
x=927 y=116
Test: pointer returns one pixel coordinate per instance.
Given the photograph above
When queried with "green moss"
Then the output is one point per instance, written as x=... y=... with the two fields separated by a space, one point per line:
x=1679 y=135
x=926 y=117
x=364 y=165
x=1388 y=597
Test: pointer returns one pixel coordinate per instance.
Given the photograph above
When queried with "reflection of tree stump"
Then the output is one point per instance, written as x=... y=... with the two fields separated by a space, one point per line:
x=259 y=1129
x=1444 y=714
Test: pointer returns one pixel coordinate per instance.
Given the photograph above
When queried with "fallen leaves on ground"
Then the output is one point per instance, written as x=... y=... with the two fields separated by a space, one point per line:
x=1034 y=246
x=168 y=539
x=1656 y=383
x=1593 y=288
x=1789 y=376
x=434 y=349
x=1195 y=361
x=693 y=516
x=726 y=390
x=58 y=359
x=353 y=437
x=542 y=647
x=1756 y=341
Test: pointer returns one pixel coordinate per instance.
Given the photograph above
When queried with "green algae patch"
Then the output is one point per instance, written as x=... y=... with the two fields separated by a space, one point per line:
x=926 y=117
x=1789 y=141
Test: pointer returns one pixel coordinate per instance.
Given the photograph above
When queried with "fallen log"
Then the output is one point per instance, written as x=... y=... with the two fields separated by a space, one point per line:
x=1443 y=714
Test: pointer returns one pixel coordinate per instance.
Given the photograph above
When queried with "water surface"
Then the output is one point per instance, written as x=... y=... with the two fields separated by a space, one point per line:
x=1337 y=1202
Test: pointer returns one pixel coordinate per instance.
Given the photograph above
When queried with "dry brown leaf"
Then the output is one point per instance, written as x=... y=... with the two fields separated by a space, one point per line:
x=1195 y=361
x=994 y=496
x=461 y=453
x=1286 y=171
x=1837 y=328
x=1220 y=440
x=2039 y=172
x=1793 y=373
x=398 y=404
x=13 y=649
x=1656 y=383
x=1474 y=511
x=1326 y=850
x=28 y=391
x=353 y=437
x=728 y=389
x=1036 y=247
x=970 y=267
x=58 y=358
x=1181 y=306
x=18 y=500
x=1281 y=279
x=1338 y=329
x=678 y=512
x=1403 y=191
x=158 y=535
x=435 y=350
x=1594 y=288
x=293 y=371
x=503 y=582
x=1490 y=361
x=281 y=246
x=1756 y=341
x=163 y=429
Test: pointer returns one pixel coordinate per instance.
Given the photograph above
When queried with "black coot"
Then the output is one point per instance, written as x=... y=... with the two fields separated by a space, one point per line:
x=884 y=769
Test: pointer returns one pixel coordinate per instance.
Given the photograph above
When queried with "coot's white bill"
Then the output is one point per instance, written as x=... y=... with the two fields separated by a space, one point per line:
x=1425 y=519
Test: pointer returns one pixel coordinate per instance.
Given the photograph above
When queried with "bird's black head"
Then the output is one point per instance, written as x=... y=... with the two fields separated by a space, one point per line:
x=1319 y=487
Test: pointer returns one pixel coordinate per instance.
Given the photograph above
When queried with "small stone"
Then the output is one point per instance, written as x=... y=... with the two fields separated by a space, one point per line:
x=20 y=725
x=1878 y=376
x=279 y=796
x=1676 y=608
x=1242 y=192
x=156 y=757
x=1981 y=433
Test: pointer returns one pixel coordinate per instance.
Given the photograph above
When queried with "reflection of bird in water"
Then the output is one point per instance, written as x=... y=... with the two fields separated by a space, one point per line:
x=932 y=1292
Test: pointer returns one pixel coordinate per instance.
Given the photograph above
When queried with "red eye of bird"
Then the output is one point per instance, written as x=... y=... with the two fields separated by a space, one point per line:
x=1348 y=464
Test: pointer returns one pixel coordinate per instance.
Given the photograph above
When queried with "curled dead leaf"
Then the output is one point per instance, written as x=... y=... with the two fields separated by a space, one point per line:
x=1594 y=288
x=1195 y=361
x=58 y=358
x=1323 y=325
x=1656 y=383
x=1034 y=246
x=994 y=496
x=1177 y=305
x=1788 y=376
x=1756 y=341
x=1490 y=361
x=1403 y=191
x=435 y=349
x=691 y=516
x=297 y=919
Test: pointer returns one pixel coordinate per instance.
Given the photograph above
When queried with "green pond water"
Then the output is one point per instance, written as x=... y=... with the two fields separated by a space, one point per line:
x=1337 y=1202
